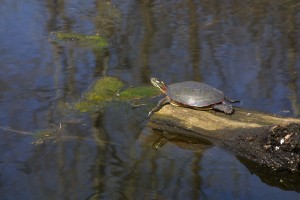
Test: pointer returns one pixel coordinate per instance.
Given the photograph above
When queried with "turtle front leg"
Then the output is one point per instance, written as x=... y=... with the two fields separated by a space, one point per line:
x=224 y=107
x=159 y=105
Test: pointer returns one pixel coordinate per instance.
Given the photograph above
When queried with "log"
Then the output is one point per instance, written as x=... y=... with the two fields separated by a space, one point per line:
x=263 y=139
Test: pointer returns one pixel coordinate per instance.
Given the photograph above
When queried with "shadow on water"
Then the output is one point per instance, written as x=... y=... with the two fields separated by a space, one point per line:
x=248 y=49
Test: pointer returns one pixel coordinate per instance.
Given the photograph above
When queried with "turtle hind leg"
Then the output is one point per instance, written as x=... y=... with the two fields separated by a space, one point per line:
x=224 y=107
x=232 y=100
x=159 y=105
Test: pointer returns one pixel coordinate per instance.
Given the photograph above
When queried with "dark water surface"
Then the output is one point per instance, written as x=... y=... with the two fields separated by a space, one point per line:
x=249 y=49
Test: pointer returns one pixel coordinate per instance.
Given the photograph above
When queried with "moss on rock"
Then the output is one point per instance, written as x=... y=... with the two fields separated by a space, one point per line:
x=108 y=89
x=139 y=92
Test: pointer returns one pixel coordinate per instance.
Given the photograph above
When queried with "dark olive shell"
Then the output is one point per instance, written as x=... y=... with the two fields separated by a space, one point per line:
x=194 y=94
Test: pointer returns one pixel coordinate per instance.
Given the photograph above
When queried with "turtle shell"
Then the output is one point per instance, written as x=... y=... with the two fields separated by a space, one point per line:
x=194 y=94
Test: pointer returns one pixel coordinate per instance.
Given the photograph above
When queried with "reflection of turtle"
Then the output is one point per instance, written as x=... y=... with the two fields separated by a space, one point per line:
x=192 y=94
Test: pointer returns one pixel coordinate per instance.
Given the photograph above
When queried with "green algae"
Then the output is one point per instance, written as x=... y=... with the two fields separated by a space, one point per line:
x=77 y=40
x=107 y=90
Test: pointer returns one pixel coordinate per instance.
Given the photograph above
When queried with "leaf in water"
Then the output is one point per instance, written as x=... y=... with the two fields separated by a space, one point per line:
x=77 y=40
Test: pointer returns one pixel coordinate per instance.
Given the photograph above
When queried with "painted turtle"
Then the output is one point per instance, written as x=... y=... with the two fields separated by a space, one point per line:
x=192 y=94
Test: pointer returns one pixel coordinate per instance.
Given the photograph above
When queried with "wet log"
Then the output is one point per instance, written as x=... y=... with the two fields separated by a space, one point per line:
x=264 y=139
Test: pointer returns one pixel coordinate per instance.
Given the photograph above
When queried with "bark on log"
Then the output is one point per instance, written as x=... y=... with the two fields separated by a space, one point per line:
x=263 y=139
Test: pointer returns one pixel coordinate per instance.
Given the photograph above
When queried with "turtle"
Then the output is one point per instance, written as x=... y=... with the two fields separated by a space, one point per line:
x=194 y=95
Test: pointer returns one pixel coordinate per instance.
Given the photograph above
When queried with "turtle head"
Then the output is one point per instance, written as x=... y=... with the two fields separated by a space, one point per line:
x=159 y=84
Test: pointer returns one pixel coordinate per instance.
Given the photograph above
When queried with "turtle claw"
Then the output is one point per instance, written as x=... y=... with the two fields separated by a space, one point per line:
x=150 y=113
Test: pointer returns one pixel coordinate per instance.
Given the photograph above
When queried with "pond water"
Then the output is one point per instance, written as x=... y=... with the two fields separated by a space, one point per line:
x=248 y=49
